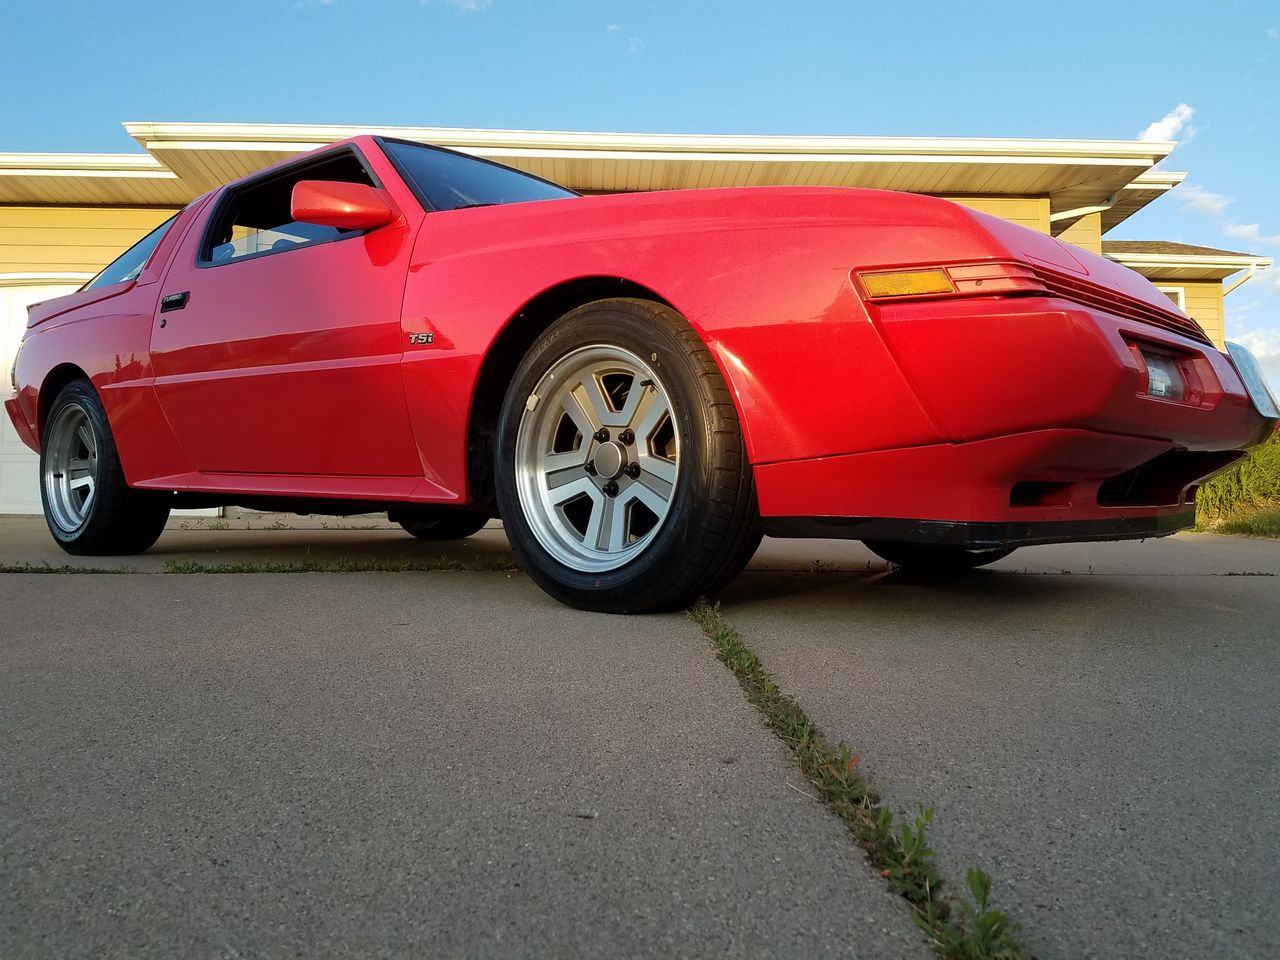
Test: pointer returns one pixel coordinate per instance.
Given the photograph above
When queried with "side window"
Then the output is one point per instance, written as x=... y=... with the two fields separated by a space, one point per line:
x=255 y=219
x=129 y=264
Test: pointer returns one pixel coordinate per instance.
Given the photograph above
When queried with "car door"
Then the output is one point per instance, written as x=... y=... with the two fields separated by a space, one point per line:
x=277 y=345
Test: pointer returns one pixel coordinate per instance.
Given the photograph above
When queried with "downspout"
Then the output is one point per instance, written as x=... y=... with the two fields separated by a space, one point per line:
x=1253 y=268
x=1078 y=212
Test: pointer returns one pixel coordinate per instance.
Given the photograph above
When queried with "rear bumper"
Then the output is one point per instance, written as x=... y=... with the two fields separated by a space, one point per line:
x=26 y=431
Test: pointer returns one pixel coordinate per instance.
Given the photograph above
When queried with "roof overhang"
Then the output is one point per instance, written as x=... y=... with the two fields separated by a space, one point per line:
x=184 y=160
x=89 y=178
x=1133 y=196
x=1163 y=266
x=1071 y=172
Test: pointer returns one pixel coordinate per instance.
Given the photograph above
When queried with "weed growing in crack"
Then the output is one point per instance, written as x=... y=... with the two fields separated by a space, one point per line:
x=960 y=928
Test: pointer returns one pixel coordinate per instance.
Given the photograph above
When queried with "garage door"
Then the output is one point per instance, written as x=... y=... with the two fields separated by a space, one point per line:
x=19 y=476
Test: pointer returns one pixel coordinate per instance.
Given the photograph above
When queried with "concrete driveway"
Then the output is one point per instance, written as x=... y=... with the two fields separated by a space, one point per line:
x=450 y=764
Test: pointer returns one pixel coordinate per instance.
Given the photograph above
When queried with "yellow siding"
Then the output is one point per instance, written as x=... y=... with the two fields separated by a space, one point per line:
x=70 y=239
x=1085 y=232
x=1204 y=305
x=1030 y=212
x=1202 y=301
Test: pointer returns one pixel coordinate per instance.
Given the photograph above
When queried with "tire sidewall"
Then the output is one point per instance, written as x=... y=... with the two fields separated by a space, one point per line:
x=613 y=324
x=81 y=394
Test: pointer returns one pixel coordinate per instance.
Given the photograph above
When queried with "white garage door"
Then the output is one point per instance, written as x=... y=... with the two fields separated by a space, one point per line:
x=19 y=475
x=19 y=467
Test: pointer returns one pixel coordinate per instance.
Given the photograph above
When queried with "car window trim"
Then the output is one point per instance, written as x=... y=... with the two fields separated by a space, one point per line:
x=231 y=190
x=417 y=191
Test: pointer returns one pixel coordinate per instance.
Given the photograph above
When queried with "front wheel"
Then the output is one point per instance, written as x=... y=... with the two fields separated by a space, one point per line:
x=925 y=558
x=90 y=509
x=622 y=478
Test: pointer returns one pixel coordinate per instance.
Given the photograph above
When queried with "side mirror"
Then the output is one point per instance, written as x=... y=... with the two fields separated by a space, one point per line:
x=346 y=206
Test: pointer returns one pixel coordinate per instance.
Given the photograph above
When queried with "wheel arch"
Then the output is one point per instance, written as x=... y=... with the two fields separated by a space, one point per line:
x=52 y=385
x=509 y=347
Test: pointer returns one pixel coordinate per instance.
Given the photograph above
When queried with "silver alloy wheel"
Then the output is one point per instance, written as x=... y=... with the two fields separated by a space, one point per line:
x=597 y=458
x=70 y=468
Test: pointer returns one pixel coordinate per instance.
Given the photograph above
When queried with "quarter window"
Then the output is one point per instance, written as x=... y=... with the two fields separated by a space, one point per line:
x=257 y=219
x=445 y=180
x=129 y=264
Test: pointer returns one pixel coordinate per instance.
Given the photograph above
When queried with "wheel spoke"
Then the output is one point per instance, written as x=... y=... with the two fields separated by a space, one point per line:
x=590 y=393
x=578 y=406
x=611 y=531
x=649 y=497
x=562 y=468
x=76 y=465
x=567 y=491
x=83 y=481
x=648 y=413
x=658 y=467
x=86 y=437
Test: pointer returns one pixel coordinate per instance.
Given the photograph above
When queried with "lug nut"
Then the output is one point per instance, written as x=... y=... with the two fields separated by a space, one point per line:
x=632 y=470
x=611 y=488
x=627 y=437
x=602 y=435
x=590 y=467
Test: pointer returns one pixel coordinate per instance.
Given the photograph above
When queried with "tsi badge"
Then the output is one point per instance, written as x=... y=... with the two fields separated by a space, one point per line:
x=421 y=339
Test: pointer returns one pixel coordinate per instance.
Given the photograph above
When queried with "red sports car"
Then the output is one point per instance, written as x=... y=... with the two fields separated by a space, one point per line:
x=640 y=386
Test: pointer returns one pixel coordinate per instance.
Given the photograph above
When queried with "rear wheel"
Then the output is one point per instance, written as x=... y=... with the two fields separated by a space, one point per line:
x=622 y=478
x=448 y=524
x=934 y=559
x=88 y=506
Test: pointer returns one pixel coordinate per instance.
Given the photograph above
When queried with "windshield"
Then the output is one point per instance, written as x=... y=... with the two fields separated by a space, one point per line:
x=444 y=180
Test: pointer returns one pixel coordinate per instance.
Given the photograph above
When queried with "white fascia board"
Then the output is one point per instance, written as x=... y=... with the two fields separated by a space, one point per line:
x=304 y=136
x=1185 y=261
x=115 y=165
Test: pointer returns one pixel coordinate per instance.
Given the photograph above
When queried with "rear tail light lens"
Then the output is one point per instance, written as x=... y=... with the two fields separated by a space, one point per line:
x=959 y=280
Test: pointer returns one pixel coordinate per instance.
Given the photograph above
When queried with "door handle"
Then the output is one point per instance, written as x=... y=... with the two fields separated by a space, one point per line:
x=174 y=301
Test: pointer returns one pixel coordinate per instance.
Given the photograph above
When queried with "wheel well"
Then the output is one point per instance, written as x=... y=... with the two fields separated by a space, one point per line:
x=505 y=354
x=56 y=379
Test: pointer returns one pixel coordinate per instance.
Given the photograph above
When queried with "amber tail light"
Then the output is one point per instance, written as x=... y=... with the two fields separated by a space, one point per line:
x=957 y=280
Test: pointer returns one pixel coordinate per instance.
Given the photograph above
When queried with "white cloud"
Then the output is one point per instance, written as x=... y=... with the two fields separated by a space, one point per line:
x=635 y=45
x=1249 y=233
x=462 y=6
x=1177 y=121
x=1202 y=200
x=1273 y=33
x=613 y=28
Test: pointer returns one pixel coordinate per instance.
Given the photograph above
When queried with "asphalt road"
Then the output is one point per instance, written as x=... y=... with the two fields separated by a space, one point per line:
x=450 y=764
x=397 y=765
x=1095 y=726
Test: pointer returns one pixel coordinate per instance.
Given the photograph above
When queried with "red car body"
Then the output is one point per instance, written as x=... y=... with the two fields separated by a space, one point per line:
x=368 y=372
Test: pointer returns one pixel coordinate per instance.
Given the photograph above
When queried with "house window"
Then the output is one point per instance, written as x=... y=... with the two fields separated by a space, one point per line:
x=1177 y=294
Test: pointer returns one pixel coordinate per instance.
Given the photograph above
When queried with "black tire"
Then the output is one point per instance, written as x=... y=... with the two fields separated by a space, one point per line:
x=449 y=523
x=120 y=520
x=925 y=558
x=712 y=525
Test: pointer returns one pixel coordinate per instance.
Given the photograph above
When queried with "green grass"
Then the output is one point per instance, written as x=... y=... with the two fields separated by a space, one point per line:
x=960 y=927
x=481 y=563
x=1250 y=522
x=61 y=568
x=1246 y=498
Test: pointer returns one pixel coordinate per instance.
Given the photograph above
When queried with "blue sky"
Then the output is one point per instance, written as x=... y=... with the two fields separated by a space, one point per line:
x=72 y=70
